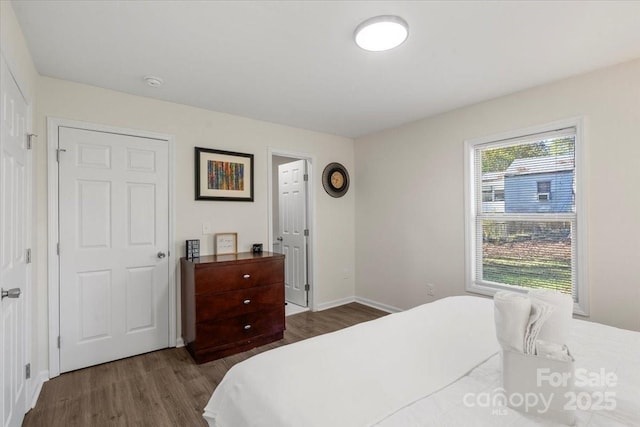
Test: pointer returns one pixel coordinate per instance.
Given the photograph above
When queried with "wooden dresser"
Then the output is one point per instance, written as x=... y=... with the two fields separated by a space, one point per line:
x=231 y=303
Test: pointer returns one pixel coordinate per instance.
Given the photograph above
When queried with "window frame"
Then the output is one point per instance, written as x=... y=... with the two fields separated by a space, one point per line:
x=581 y=306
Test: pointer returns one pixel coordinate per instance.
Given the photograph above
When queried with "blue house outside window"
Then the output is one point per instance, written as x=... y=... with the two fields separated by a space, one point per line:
x=540 y=185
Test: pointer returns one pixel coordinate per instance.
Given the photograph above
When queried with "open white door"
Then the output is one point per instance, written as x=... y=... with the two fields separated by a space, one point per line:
x=13 y=248
x=114 y=230
x=292 y=195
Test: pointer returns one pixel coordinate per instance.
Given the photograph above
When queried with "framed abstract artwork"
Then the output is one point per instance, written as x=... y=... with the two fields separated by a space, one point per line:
x=223 y=175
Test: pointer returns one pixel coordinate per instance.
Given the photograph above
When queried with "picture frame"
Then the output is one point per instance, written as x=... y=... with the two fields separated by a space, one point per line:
x=226 y=243
x=223 y=175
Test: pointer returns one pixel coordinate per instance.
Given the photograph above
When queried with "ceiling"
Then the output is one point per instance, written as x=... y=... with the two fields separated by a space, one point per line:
x=295 y=62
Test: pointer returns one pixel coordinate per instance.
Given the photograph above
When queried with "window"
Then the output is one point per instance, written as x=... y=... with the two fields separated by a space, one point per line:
x=544 y=190
x=492 y=194
x=530 y=239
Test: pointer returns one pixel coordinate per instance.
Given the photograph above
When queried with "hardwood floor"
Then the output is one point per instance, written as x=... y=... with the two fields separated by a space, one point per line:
x=163 y=388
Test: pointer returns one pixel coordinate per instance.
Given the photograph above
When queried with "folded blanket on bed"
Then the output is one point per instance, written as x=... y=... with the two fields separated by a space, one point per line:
x=556 y=327
x=359 y=375
x=523 y=319
x=540 y=312
x=512 y=311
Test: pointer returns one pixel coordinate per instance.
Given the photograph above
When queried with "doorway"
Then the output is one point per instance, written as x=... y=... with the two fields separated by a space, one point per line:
x=113 y=293
x=291 y=231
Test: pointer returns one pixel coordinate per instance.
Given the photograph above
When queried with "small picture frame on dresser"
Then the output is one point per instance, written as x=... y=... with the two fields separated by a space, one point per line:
x=226 y=243
x=193 y=249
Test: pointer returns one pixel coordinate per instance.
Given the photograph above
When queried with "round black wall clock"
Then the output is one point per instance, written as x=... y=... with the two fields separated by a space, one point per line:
x=335 y=180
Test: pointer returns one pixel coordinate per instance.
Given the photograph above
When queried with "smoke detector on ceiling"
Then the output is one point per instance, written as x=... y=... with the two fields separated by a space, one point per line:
x=153 y=81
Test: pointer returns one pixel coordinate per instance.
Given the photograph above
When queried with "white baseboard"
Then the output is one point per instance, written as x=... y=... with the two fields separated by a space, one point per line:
x=378 y=305
x=360 y=300
x=179 y=342
x=43 y=376
x=334 y=303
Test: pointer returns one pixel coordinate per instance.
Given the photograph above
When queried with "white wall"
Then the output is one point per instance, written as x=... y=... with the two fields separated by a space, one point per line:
x=14 y=49
x=409 y=192
x=196 y=127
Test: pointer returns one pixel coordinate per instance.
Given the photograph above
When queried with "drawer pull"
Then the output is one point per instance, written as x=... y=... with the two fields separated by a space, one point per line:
x=247 y=301
x=247 y=327
x=246 y=276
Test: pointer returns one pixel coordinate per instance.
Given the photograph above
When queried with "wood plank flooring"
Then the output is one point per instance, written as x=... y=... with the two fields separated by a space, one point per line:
x=163 y=388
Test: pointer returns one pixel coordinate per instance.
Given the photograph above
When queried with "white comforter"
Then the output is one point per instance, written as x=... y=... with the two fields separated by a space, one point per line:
x=414 y=369
x=597 y=349
x=360 y=375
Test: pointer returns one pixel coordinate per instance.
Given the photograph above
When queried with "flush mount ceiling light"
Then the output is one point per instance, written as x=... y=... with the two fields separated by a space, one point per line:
x=153 y=81
x=381 y=33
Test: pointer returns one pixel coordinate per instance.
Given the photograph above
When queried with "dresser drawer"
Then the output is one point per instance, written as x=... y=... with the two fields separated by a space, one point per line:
x=236 y=329
x=234 y=303
x=239 y=276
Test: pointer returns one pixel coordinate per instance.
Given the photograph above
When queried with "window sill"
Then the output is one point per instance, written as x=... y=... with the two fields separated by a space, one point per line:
x=490 y=290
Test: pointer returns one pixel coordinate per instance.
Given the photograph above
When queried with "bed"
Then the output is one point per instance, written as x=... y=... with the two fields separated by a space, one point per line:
x=434 y=365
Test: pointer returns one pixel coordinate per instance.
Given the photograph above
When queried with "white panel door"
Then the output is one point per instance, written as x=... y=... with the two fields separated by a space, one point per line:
x=293 y=219
x=13 y=247
x=114 y=230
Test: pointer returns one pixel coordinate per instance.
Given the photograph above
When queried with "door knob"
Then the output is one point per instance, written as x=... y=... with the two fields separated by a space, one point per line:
x=279 y=239
x=161 y=255
x=11 y=293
